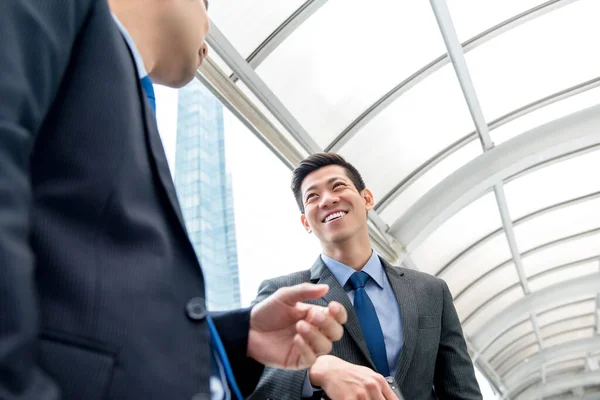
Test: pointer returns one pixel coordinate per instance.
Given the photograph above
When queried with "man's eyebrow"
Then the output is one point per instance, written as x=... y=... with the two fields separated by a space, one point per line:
x=330 y=181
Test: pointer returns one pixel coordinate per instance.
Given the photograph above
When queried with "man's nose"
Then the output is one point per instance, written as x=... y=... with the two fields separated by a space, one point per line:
x=328 y=199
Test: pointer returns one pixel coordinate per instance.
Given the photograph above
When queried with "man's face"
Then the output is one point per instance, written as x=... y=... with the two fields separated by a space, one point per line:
x=333 y=208
x=184 y=25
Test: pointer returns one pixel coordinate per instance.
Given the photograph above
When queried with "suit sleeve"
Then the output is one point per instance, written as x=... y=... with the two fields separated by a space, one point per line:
x=277 y=383
x=36 y=38
x=233 y=328
x=454 y=372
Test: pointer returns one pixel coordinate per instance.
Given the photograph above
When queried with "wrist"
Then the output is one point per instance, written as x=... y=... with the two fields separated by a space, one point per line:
x=317 y=373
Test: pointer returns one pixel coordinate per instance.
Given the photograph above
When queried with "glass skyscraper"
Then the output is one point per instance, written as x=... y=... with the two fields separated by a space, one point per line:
x=205 y=193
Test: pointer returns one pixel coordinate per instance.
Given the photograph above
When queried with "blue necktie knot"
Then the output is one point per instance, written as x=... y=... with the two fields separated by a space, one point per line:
x=358 y=280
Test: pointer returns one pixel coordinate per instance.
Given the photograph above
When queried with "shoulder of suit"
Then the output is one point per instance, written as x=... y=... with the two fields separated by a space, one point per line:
x=294 y=278
x=419 y=275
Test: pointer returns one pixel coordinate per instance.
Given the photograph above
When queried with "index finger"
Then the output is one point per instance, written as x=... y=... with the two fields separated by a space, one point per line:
x=338 y=311
x=302 y=292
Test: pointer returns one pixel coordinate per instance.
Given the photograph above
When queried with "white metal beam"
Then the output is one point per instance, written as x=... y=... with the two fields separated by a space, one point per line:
x=509 y=231
x=549 y=355
x=455 y=52
x=560 y=385
x=568 y=134
x=583 y=286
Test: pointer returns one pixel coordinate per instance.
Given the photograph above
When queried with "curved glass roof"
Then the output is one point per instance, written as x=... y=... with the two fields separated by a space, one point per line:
x=476 y=123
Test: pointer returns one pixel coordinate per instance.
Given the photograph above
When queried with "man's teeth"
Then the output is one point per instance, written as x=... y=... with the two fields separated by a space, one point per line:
x=334 y=216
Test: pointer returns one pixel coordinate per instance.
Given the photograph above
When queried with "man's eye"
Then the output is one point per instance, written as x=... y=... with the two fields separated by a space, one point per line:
x=338 y=184
x=310 y=196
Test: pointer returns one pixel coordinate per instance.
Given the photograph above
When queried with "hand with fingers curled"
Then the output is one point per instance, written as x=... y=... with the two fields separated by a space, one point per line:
x=341 y=380
x=287 y=333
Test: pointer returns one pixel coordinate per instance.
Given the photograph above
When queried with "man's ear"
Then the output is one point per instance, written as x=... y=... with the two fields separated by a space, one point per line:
x=368 y=198
x=305 y=223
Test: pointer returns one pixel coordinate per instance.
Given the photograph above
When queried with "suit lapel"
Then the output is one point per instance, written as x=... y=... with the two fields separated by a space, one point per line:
x=159 y=158
x=154 y=143
x=321 y=274
x=405 y=295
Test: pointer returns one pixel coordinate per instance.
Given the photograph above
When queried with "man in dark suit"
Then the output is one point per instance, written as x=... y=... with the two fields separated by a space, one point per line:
x=402 y=327
x=101 y=294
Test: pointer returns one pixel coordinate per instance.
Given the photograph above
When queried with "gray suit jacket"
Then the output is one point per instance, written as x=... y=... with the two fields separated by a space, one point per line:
x=434 y=362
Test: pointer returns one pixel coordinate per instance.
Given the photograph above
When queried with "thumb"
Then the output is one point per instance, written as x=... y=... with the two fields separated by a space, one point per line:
x=305 y=291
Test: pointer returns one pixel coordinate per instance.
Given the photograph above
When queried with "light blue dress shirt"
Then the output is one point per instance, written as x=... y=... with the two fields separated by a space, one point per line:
x=218 y=384
x=382 y=296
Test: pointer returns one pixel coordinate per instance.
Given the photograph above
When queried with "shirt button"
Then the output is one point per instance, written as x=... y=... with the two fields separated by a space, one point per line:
x=196 y=310
x=390 y=380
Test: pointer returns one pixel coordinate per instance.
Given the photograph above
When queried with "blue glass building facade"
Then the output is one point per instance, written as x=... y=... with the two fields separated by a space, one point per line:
x=205 y=194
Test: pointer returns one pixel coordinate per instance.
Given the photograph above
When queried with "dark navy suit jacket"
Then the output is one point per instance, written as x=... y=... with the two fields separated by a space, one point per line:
x=101 y=294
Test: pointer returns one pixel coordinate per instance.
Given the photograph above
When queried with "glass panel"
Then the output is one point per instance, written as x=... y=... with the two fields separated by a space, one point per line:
x=546 y=114
x=513 y=350
x=477 y=263
x=425 y=120
x=555 y=340
x=247 y=23
x=507 y=338
x=472 y=17
x=571 y=310
x=491 y=310
x=531 y=61
x=327 y=76
x=518 y=358
x=431 y=178
x=563 y=274
x=572 y=323
x=558 y=224
x=562 y=253
x=556 y=183
x=261 y=107
x=456 y=234
x=486 y=289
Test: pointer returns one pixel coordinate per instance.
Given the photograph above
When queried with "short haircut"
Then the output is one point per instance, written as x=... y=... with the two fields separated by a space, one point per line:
x=318 y=161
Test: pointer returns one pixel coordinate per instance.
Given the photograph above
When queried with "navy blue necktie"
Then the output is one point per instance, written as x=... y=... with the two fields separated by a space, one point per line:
x=369 y=323
x=149 y=89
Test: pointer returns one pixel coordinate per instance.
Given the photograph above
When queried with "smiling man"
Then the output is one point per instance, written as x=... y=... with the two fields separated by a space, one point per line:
x=402 y=327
